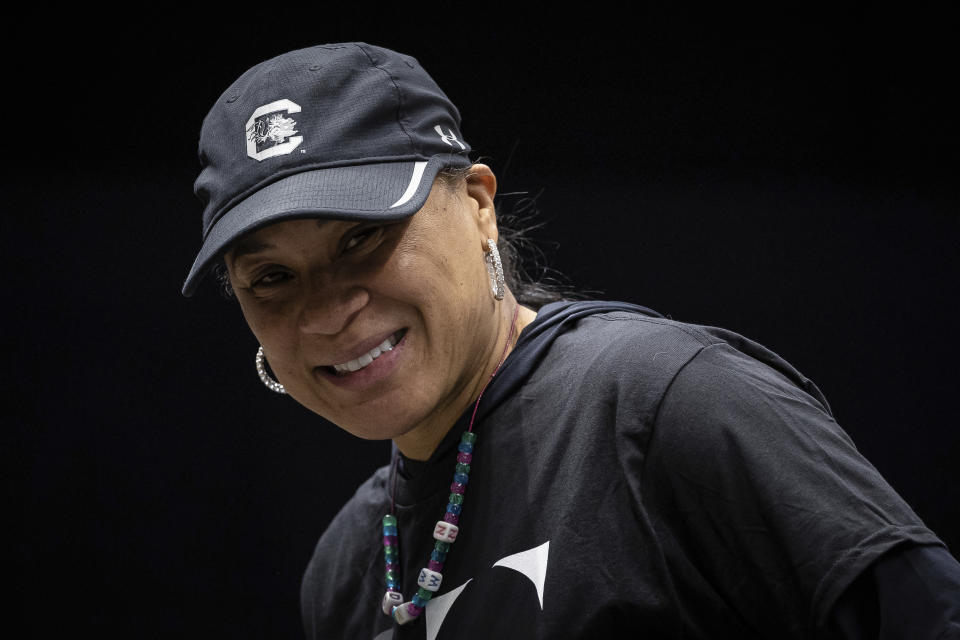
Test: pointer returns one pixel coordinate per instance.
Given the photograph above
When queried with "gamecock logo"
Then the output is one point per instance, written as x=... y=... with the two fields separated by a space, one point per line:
x=271 y=131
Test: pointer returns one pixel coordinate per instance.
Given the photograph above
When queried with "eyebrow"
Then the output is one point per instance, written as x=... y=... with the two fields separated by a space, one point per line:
x=246 y=248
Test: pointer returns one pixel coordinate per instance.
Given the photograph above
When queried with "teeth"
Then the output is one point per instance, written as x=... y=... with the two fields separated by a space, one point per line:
x=368 y=357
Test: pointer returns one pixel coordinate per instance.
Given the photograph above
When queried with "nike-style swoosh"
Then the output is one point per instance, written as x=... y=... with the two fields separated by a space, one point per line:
x=531 y=563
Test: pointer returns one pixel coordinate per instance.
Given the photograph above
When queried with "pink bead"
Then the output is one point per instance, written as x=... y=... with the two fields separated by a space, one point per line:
x=456 y=487
x=465 y=458
x=414 y=610
x=452 y=518
x=390 y=541
x=433 y=565
x=391 y=566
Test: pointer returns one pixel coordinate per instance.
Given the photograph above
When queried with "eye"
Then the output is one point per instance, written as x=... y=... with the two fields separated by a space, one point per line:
x=270 y=279
x=361 y=236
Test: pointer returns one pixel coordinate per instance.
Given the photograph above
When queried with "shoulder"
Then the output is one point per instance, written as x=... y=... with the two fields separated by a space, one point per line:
x=747 y=462
x=632 y=357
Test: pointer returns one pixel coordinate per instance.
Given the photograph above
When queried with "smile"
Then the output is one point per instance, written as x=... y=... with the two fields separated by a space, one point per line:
x=366 y=359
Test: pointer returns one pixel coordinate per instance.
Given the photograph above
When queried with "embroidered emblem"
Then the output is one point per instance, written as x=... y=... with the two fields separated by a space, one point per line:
x=271 y=131
x=449 y=138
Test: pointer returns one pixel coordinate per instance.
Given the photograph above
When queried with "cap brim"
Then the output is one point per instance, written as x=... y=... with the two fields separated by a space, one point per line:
x=384 y=191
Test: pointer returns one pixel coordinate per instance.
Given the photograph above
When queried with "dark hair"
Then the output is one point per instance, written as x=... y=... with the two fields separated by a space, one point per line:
x=518 y=253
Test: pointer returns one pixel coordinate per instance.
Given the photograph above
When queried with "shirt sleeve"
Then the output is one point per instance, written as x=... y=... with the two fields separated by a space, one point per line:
x=910 y=592
x=765 y=498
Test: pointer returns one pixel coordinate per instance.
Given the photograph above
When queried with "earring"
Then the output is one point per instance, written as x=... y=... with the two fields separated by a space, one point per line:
x=494 y=269
x=265 y=378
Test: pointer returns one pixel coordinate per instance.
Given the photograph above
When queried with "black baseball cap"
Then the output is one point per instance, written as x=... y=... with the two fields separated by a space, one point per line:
x=349 y=131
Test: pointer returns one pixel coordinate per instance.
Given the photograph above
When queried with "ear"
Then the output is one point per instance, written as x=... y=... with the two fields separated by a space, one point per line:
x=482 y=187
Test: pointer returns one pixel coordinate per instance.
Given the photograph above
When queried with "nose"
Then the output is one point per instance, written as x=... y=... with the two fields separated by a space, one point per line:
x=328 y=310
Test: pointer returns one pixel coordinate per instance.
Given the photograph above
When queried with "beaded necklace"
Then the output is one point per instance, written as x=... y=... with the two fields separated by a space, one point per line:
x=446 y=530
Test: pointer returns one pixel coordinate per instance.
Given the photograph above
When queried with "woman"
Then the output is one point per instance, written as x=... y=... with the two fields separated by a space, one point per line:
x=572 y=469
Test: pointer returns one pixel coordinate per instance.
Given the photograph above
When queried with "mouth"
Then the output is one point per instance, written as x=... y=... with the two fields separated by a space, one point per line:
x=357 y=364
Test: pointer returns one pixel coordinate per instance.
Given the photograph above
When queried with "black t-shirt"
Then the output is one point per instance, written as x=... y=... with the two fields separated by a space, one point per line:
x=632 y=475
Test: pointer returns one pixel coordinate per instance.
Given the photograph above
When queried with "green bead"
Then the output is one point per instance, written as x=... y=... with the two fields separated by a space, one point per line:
x=390 y=552
x=463 y=467
x=456 y=498
x=389 y=520
x=389 y=576
x=468 y=437
x=441 y=546
x=424 y=594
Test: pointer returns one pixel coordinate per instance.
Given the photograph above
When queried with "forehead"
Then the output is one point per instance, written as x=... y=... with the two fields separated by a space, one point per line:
x=266 y=237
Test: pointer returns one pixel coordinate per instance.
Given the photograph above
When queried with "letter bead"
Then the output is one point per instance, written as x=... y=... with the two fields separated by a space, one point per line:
x=430 y=580
x=391 y=599
x=445 y=531
x=402 y=613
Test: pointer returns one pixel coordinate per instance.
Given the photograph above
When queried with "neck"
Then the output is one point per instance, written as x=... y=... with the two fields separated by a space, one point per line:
x=420 y=442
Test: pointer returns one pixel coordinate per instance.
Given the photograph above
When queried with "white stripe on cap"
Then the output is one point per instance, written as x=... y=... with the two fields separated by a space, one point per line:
x=418 y=168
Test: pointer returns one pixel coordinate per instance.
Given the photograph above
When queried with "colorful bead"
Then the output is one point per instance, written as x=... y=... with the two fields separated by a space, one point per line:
x=390 y=600
x=446 y=531
x=403 y=614
x=429 y=580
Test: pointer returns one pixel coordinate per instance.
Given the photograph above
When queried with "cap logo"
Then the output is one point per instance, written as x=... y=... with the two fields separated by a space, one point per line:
x=271 y=131
x=449 y=138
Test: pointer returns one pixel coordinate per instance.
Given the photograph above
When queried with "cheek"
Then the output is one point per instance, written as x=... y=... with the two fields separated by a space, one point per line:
x=273 y=328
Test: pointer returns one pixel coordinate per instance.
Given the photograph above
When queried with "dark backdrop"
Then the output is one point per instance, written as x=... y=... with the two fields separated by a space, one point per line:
x=787 y=176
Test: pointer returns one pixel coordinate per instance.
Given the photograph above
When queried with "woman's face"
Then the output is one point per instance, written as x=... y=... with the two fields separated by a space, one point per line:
x=378 y=327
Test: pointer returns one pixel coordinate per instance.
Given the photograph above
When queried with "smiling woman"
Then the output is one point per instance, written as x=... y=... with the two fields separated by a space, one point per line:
x=364 y=322
x=629 y=474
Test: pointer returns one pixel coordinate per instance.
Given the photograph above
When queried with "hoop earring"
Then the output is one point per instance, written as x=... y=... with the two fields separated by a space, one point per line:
x=494 y=269
x=265 y=378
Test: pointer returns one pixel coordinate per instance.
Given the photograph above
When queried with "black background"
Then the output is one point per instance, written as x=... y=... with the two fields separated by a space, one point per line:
x=789 y=176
